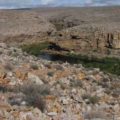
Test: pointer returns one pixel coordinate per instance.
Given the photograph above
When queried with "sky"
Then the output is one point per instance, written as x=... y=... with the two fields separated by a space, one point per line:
x=31 y=3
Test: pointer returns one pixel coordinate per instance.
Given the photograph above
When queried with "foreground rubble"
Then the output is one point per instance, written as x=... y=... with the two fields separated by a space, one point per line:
x=69 y=92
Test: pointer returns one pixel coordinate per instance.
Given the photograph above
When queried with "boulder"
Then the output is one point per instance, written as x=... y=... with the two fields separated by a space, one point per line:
x=35 y=79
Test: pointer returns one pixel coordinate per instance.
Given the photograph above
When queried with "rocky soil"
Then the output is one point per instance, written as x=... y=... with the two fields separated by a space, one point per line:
x=35 y=89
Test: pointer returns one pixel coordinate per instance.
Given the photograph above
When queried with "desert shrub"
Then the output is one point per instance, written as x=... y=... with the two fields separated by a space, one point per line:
x=94 y=115
x=36 y=100
x=91 y=99
x=108 y=91
x=15 y=54
x=94 y=99
x=16 y=99
x=34 y=94
x=34 y=67
x=29 y=88
x=8 y=67
x=63 y=86
x=76 y=83
x=3 y=89
x=85 y=96
x=51 y=74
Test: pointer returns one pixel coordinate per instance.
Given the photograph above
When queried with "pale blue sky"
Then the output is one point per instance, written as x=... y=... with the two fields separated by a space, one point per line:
x=27 y=3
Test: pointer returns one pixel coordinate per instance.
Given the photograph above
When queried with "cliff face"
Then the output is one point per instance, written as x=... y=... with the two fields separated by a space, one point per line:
x=113 y=40
x=90 y=39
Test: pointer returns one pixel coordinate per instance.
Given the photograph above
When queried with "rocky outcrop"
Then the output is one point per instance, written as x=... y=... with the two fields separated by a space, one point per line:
x=89 y=39
x=113 y=40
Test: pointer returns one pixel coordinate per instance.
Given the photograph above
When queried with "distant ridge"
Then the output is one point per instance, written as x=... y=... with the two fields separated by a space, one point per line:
x=62 y=3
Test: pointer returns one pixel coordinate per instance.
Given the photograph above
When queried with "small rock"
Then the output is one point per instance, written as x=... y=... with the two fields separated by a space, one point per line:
x=52 y=114
x=10 y=74
x=65 y=101
x=74 y=91
x=3 y=45
x=23 y=103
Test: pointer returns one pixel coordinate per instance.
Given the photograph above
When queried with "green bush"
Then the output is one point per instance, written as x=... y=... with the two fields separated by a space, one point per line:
x=110 y=65
x=35 y=48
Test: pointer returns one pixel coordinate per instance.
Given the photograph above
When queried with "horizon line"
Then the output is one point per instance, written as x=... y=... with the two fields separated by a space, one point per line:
x=50 y=6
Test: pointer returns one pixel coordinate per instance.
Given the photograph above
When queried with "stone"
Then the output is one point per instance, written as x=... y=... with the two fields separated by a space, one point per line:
x=35 y=79
x=65 y=101
x=3 y=45
x=52 y=114
x=23 y=103
x=116 y=107
x=9 y=74
x=74 y=91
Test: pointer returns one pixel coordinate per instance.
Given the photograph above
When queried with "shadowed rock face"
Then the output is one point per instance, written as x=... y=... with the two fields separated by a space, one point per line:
x=96 y=37
x=85 y=29
x=113 y=40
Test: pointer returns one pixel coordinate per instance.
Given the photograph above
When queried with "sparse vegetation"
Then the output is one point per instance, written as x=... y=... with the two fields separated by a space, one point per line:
x=36 y=100
x=34 y=67
x=76 y=83
x=51 y=74
x=3 y=89
x=91 y=99
x=110 y=65
x=35 y=48
x=8 y=67
x=34 y=94
x=94 y=115
x=29 y=88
